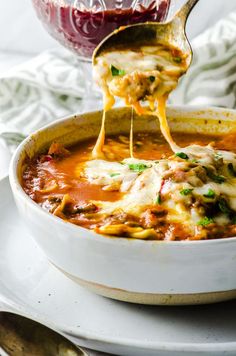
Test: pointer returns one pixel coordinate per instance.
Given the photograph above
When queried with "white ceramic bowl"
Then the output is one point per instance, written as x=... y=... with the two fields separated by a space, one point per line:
x=149 y=272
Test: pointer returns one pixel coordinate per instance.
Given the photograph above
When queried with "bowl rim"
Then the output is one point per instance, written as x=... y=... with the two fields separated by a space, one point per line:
x=89 y=234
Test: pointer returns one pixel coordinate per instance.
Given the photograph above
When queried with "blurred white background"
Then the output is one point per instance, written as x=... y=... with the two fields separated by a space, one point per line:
x=22 y=35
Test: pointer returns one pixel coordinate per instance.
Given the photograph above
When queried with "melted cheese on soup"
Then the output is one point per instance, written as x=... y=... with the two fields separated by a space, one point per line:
x=188 y=195
x=195 y=187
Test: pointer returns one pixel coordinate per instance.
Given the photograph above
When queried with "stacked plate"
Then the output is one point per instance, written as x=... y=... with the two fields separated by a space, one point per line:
x=30 y=285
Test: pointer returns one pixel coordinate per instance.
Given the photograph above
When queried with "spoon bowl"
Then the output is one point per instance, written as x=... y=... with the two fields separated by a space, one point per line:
x=20 y=336
x=151 y=34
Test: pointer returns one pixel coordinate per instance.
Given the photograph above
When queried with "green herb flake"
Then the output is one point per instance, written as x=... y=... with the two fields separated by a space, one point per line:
x=210 y=194
x=218 y=156
x=233 y=219
x=177 y=59
x=186 y=191
x=181 y=155
x=114 y=174
x=158 y=199
x=231 y=170
x=205 y=221
x=223 y=206
x=138 y=167
x=152 y=78
x=116 y=72
x=216 y=178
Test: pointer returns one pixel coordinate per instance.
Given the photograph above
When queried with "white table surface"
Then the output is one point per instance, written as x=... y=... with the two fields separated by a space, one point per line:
x=24 y=36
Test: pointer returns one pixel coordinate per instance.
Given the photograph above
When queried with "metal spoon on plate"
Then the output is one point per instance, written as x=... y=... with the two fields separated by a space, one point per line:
x=20 y=336
x=152 y=33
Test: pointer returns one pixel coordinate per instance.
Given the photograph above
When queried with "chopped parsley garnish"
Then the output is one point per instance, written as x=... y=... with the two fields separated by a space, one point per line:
x=186 y=191
x=215 y=177
x=152 y=78
x=233 y=219
x=114 y=174
x=138 y=167
x=231 y=169
x=223 y=206
x=181 y=155
x=205 y=221
x=177 y=59
x=218 y=156
x=115 y=71
x=158 y=199
x=210 y=194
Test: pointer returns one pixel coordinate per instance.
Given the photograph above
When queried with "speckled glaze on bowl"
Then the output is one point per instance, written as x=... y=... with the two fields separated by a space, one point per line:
x=147 y=272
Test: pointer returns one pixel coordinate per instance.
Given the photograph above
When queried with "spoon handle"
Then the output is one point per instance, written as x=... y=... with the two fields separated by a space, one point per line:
x=184 y=12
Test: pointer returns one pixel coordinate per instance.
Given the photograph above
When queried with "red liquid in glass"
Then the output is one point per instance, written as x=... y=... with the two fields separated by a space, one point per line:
x=82 y=31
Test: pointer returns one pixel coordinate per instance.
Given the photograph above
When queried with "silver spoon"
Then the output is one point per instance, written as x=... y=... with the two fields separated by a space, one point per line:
x=20 y=336
x=151 y=33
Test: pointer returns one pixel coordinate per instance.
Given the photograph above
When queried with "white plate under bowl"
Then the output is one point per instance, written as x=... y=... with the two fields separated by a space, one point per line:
x=32 y=286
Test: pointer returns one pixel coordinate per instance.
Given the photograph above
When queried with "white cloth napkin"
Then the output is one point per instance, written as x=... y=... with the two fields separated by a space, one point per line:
x=55 y=83
x=43 y=89
x=211 y=79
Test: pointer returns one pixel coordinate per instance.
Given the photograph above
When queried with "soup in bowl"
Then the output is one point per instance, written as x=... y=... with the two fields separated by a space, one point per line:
x=154 y=228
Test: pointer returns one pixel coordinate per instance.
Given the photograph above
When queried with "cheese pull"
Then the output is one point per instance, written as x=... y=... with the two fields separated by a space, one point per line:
x=136 y=75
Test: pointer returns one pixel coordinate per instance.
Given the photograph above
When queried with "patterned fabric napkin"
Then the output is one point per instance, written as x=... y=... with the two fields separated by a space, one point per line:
x=55 y=83
x=211 y=79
